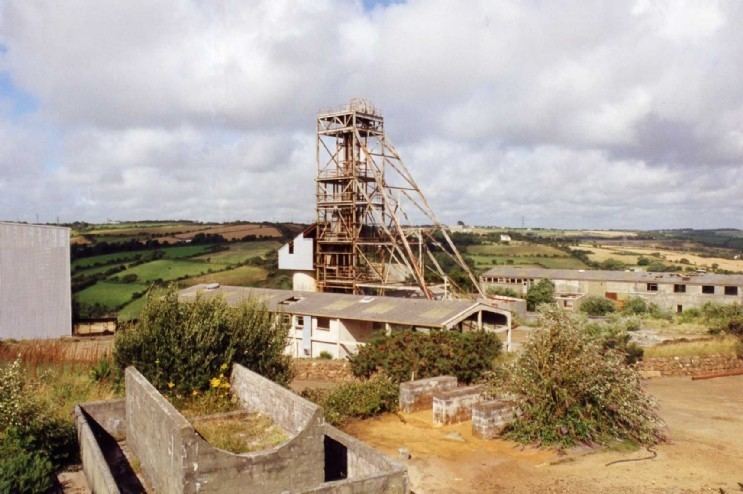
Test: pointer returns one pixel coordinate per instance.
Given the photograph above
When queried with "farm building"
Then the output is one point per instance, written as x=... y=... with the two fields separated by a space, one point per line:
x=339 y=323
x=35 y=297
x=670 y=291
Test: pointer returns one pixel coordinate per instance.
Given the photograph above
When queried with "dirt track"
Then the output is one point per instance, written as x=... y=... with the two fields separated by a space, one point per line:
x=704 y=454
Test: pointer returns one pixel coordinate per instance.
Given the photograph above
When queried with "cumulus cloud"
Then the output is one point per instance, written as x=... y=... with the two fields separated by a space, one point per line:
x=583 y=114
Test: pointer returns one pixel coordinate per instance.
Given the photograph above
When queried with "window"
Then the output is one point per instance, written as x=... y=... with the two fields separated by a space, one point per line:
x=652 y=287
x=708 y=289
x=291 y=246
x=300 y=322
x=731 y=290
x=679 y=288
x=679 y=309
x=323 y=323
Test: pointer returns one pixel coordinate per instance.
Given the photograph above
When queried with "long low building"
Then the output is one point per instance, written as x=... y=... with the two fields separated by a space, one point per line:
x=671 y=291
x=338 y=323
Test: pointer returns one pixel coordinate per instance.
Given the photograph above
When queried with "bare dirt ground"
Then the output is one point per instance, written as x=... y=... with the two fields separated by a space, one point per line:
x=704 y=452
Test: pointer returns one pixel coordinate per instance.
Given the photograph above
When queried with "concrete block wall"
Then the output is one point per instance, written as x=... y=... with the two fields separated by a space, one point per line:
x=450 y=407
x=96 y=468
x=490 y=417
x=162 y=439
x=418 y=395
x=368 y=471
x=175 y=459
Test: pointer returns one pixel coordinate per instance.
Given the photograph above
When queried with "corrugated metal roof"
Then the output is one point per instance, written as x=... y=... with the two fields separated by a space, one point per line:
x=603 y=275
x=393 y=310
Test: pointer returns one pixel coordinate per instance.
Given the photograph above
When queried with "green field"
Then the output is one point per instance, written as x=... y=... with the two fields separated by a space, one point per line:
x=519 y=253
x=94 y=271
x=241 y=252
x=169 y=269
x=168 y=253
x=486 y=262
x=240 y=276
x=515 y=249
x=107 y=258
x=109 y=295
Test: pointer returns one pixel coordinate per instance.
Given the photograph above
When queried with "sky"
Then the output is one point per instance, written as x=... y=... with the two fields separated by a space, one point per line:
x=561 y=114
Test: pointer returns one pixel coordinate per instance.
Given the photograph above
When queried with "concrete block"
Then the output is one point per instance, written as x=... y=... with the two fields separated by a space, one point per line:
x=418 y=395
x=489 y=418
x=455 y=405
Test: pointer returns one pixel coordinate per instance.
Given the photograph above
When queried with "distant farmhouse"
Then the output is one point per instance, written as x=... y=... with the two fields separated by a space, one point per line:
x=35 y=297
x=671 y=291
x=339 y=323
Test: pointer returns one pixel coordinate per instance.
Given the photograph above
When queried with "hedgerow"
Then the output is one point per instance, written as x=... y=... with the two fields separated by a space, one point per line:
x=410 y=355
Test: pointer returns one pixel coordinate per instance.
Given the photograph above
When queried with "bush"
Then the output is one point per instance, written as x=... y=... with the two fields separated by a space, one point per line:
x=636 y=305
x=410 y=355
x=356 y=399
x=503 y=291
x=571 y=390
x=542 y=292
x=597 y=306
x=47 y=435
x=182 y=345
x=29 y=472
x=325 y=355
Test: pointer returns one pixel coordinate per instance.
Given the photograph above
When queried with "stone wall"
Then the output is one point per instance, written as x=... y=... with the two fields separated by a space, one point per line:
x=454 y=406
x=490 y=417
x=688 y=366
x=418 y=395
x=322 y=370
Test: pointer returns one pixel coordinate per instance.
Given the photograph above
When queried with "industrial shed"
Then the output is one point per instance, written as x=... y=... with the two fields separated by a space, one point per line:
x=338 y=323
x=671 y=291
x=35 y=297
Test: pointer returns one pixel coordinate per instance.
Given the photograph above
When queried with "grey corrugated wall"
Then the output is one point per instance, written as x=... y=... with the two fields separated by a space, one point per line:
x=35 y=298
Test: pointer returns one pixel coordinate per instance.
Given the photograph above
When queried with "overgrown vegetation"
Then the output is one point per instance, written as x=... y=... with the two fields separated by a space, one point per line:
x=363 y=399
x=571 y=389
x=181 y=346
x=34 y=440
x=410 y=355
x=597 y=306
x=542 y=292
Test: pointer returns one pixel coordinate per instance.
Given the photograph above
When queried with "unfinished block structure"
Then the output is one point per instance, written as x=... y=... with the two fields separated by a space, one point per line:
x=455 y=405
x=174 y=458
x=418 y=395
x=489 y=418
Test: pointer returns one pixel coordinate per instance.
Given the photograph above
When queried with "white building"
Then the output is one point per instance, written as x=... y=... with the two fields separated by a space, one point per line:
x=35 y=296
x=298 y=257
x=339 y=323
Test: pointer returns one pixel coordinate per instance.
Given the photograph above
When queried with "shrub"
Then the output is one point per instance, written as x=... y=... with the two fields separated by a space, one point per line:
x=16 y=404
x=29 y=472
x=613 y=335
x=542 y=292
x=569 y=389
x=356 y=399
x=49 y=436
x=597 y=306
x=325 y=355
x=503 y=291
x=409 y=355
x=182 y=345
x=636 y=305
